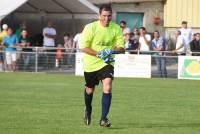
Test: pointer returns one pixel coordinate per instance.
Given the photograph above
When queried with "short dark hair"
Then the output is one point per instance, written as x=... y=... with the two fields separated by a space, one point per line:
x=105 y=7
x=156 y=31
x=123 y=22
x=66 y=34
x=143 y=28
x=184 y=22
x=196 y=34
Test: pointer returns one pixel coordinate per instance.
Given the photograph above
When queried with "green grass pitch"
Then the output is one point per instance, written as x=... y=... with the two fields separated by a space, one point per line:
x=53 y=104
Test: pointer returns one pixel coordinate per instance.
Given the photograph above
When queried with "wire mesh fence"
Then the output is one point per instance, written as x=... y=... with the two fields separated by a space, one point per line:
x=56 y=60
x=42 y=60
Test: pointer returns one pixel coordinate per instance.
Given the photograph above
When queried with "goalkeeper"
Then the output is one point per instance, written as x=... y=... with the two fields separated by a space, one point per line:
x=100 y=41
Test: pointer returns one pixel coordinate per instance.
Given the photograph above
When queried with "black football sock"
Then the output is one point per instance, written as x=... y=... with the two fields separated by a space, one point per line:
x=88 y=101
x=106 y=101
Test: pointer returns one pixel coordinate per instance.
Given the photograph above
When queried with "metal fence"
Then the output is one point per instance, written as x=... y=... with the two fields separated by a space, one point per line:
x=63 y=61
x=43 y=60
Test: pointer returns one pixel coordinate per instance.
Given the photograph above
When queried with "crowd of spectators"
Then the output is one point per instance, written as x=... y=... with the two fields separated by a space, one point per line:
x=137 y=41
x=12 y=41
x=141 y=42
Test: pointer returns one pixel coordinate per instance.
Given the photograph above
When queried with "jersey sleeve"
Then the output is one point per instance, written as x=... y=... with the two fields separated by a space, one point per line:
x=119 y=41
x=86 y=37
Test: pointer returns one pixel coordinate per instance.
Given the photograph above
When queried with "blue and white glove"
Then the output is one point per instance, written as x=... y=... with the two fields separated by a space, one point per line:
x=109 y=60
x=103 y=54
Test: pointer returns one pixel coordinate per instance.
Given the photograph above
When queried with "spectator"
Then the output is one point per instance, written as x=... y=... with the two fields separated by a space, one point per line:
x=69 y=50
x=144 y=41
x=49 y=34
x=20 y=29
x=158 y=44
x=136 y=35
x=2 y=35
x=10 y=42
x=135 y=38
x=186 y=33
x=24 y=42
x=76 y=42
x=180 y=44
x=195 y=44
x=123 y=26
x=67 y=42
x=129 y=43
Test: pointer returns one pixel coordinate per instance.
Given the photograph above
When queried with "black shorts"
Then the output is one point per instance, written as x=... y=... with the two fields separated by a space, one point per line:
x=92 y=78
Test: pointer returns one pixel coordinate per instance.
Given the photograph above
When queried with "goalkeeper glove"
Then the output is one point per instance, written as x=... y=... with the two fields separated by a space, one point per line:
x=109 y=60
x=105 y=53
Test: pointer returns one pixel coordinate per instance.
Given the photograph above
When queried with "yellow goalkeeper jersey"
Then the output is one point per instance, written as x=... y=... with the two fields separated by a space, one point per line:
x=98 y=37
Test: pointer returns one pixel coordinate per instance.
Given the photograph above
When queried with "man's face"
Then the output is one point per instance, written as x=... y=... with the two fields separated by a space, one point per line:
x=142 y=31
x=156 y=35
x=122 y=25
x=49 y=23
x=184 y=25
x=136 y=32
x=197 y=37
x=66 y=38
x=127 y=36
x=105 y=17
x=24 y=33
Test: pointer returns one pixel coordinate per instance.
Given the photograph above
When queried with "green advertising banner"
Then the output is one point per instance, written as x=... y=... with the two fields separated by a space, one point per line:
x=189 y=67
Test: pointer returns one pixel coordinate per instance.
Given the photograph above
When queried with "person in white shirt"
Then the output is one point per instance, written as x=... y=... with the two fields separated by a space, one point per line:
x=69 y=50
x=180 y=43
x=49 y=34
x=67 y=42
x=186 y=33
x=124 y=27
x=76 y=42
x=144 y=40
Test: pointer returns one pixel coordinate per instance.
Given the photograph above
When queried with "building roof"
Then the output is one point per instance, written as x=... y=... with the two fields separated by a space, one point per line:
x=71 y=8
x=55 y=6
x=120 y=1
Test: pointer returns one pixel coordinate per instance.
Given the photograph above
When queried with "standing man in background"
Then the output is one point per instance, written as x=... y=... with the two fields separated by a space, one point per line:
x=186 y=34
x=10 y=42
x=49 y=34
x=77 y=42
x=100 y=40
x=124 y=27
x=180 y=44
x=144 y=41
x=159 y=44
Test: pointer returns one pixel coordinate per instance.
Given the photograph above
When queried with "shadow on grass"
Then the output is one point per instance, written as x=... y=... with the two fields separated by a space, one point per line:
x=116 y=128
x=164 y=125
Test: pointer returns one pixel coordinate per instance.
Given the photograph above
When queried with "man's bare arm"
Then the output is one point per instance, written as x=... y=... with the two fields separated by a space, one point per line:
x=89 y=51
x=92 y=52
x=50 y=36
